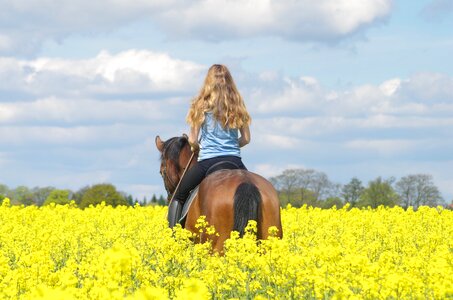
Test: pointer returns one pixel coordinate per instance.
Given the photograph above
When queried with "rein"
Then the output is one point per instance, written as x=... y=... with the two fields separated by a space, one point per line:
x=164 y=174
x=182 y=176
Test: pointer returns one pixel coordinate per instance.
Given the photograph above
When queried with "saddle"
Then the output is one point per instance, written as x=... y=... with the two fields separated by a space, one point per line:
x=221 y=165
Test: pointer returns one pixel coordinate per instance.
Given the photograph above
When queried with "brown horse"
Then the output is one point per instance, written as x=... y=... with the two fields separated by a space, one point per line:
x=228 y=198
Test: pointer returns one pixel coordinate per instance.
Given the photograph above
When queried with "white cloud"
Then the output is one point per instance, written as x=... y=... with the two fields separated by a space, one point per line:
x=132 y=71
x=29 y=23
x=387 y=147
x=118 y=134
x=421 y=94
x=270 y=170
x=26 y=24
x=287 y=112
x=302 y=95
x=70 y=179
x=292 y=132
x=76 y=111
x=280 y=141
x=299 y=20
x=389 y=87
x=428 y=87
x=82 y=105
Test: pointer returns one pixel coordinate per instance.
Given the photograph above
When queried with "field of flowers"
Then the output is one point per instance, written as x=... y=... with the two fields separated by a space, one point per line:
x=128 y=252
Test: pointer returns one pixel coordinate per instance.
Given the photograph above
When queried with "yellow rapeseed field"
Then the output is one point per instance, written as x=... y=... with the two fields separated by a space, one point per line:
x=101 y=252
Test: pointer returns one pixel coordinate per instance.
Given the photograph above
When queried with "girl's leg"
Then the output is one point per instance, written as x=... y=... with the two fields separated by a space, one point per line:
x=191 y=179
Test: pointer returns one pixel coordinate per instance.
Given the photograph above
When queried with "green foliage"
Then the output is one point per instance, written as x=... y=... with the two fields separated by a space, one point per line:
x=331 y=202
x=416 y=190
x=22 y=195
x=102 y=192
x=154 y=199
x=161 y=201
x=3 y=191
x=58 y=197
x=130 y=200
x=40 y=194
x=303 y=186
x=77 y=196
x=379 y=192
x=299 y=197
x=352 y=191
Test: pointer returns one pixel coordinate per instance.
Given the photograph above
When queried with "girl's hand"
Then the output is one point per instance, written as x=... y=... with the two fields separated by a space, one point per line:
x=194 y=147
x=245 y=136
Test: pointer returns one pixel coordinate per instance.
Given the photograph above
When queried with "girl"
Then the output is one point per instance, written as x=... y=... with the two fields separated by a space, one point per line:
x=219 y=114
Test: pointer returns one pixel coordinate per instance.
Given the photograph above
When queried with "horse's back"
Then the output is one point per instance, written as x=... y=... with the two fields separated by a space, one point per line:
x=216 y=200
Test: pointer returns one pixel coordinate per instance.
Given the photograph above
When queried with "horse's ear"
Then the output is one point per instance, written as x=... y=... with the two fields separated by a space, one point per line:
x=159 y=144
x=185 y=136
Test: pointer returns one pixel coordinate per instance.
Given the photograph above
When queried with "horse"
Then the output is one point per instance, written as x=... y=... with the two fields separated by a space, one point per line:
x=228 y=198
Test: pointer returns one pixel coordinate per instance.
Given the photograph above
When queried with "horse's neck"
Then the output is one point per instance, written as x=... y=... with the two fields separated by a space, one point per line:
x=187 y=156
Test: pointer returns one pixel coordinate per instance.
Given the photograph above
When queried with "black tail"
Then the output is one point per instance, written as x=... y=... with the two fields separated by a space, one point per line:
x=247 y=201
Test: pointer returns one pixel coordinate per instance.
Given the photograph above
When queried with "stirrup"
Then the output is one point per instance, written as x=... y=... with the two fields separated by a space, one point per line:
x=174 y=213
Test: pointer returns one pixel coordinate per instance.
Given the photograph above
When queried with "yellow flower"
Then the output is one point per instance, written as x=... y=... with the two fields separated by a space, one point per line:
x=129 y=252
x=193 y=289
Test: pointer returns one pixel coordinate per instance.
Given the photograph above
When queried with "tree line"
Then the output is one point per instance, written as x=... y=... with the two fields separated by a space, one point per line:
x=84 y=197
x=313 y=188
x=294 y=186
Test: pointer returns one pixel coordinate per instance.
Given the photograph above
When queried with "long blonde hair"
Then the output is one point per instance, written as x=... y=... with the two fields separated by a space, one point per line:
x=220 y=96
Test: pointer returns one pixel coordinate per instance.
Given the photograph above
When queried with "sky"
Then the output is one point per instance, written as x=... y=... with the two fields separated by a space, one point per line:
x=350 y=88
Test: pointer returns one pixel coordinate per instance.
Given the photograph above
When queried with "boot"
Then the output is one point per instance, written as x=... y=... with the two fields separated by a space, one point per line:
x=174 y=213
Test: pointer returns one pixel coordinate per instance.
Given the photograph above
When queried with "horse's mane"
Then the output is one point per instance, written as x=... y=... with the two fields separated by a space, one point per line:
x=172 y=149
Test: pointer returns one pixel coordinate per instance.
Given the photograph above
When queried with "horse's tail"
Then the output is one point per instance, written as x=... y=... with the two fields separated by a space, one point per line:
x=247 y=200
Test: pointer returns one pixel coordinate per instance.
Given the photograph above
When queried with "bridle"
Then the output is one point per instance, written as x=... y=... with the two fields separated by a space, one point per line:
x=163 y=172
x=167 y=179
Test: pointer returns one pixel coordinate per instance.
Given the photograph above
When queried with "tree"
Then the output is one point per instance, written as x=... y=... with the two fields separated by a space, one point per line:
x=352 y=191
x=303 y=186
x=304 y=196
x=286 y=183
x=77 y=196
x=416 y=190
x=3 y=192
x=102 y=192
x=130 y=200
x=58 y=197
x=331 y=202
x=379 y=192
x=22 y=195
x=321 y=186
x=161 y=201
x=41 y=194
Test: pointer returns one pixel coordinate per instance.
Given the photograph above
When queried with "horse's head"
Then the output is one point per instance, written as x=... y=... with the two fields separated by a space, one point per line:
x=175 y=153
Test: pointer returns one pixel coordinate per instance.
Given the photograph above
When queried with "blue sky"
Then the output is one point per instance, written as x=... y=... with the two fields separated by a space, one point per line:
x=352 y=88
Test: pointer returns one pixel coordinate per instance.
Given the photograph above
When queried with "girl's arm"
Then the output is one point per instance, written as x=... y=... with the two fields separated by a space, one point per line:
x=245 y=135
x=193 y=138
